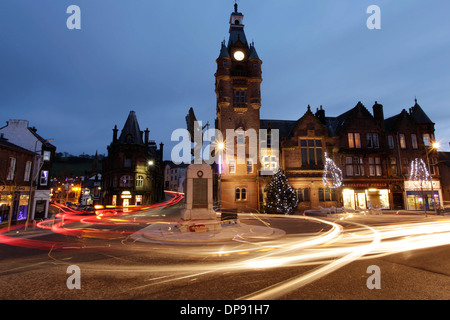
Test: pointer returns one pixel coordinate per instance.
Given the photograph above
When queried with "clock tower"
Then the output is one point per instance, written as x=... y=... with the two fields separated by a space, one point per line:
x=238 y=83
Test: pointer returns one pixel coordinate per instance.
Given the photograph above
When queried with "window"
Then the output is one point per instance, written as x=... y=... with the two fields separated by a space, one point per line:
x=240 y=137
x=270 y=163
x=349 y=166
x=375 y=167
x=378 y=166
x=311 y=152
x=127 y=163
x=244 y=194
x=414 y=141
x=239 y=97
x=300 y=195
x=241 y=194
x=327 y=194
x=391 y=142
x=27 y=171
x=426 y=139
x=43 y=181
x=249 y=166
x=402 y=141
x=376 y=141
x=126 y=181
x=393 y=166
x=354 y=140
x=47 y=155
x=232 y=166
x=140 y=181
x=11 y=169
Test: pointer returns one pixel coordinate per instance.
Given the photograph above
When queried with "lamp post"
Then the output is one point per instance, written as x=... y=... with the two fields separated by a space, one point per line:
x=434 y=146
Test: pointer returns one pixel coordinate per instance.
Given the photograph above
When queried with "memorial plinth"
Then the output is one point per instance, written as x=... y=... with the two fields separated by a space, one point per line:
x=198 y=214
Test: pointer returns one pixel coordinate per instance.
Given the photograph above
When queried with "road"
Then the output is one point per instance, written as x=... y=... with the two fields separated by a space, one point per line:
x=323 y=258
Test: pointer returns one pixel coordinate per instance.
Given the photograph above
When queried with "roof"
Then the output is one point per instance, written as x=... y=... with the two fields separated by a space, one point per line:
x=419 y=115
x=8 y=145
x=284 y=126
x=131 y=129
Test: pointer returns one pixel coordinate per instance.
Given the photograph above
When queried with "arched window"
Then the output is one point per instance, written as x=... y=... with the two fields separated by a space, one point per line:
x=140 y=181
x=238 y=194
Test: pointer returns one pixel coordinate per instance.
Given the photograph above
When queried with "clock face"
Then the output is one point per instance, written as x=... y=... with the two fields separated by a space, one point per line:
x=239 y=55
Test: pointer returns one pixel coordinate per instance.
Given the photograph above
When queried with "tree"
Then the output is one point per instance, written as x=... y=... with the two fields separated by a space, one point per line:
x=281 y=197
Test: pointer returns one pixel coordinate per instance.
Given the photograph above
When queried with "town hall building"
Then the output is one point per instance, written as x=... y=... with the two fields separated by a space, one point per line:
x=373 y=153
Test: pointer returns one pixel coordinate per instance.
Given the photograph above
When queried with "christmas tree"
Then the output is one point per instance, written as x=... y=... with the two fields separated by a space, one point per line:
x=281 y=197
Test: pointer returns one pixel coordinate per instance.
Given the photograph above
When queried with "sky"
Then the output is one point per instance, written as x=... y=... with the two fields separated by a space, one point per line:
x=158 y=58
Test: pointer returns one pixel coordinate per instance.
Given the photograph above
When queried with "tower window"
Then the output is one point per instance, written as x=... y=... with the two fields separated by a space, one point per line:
x=239 y=97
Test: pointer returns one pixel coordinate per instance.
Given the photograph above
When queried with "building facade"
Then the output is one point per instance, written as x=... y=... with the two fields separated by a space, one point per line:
x=132 y=172
x=19 y=133
x=374 y=154
x=15 y=176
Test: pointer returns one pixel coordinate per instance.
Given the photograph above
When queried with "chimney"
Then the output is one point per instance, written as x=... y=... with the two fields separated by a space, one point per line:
x=146 y=136
x=115 y=130
x=320 y=114
x=378 y=112
x=161 y=151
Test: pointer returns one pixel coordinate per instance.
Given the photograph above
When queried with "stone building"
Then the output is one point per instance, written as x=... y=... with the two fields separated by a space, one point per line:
x=132 y=172
x=373 y=153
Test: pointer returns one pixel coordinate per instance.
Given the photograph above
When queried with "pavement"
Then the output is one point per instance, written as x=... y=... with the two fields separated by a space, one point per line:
x=170 y=233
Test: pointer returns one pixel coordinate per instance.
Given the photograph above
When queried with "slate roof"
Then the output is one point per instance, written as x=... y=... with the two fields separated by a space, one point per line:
x=131 y=128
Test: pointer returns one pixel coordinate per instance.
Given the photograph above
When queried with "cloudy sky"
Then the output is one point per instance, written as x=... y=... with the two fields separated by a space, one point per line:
x=158 y=59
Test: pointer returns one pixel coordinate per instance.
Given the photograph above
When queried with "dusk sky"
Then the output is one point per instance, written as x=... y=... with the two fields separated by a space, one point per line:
x=158 y=58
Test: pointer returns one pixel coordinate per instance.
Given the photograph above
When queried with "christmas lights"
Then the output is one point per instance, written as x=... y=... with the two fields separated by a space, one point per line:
x=332 y=175
x=419 y=176
x=281 y=197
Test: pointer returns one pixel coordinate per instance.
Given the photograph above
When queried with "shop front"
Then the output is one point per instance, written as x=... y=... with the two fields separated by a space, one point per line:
x=426 y=196
x=363 y=196
x=14 y=201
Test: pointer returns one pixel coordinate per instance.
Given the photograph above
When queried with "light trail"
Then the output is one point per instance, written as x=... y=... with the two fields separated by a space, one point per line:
x=346 y=240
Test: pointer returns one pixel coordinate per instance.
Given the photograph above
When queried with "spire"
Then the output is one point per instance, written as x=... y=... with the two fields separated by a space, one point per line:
x=235 y=6
x=131 y=132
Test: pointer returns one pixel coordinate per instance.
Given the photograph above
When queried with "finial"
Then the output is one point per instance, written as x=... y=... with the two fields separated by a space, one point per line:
x=415 y=99
x=235 y=6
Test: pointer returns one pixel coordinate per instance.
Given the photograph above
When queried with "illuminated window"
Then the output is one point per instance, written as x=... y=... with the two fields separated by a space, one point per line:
x=354 y=140
x=43 y=181
x=140 y=181
x=402 y=141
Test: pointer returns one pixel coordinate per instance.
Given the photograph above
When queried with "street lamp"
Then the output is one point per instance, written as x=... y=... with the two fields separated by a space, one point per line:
x=434 y=146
